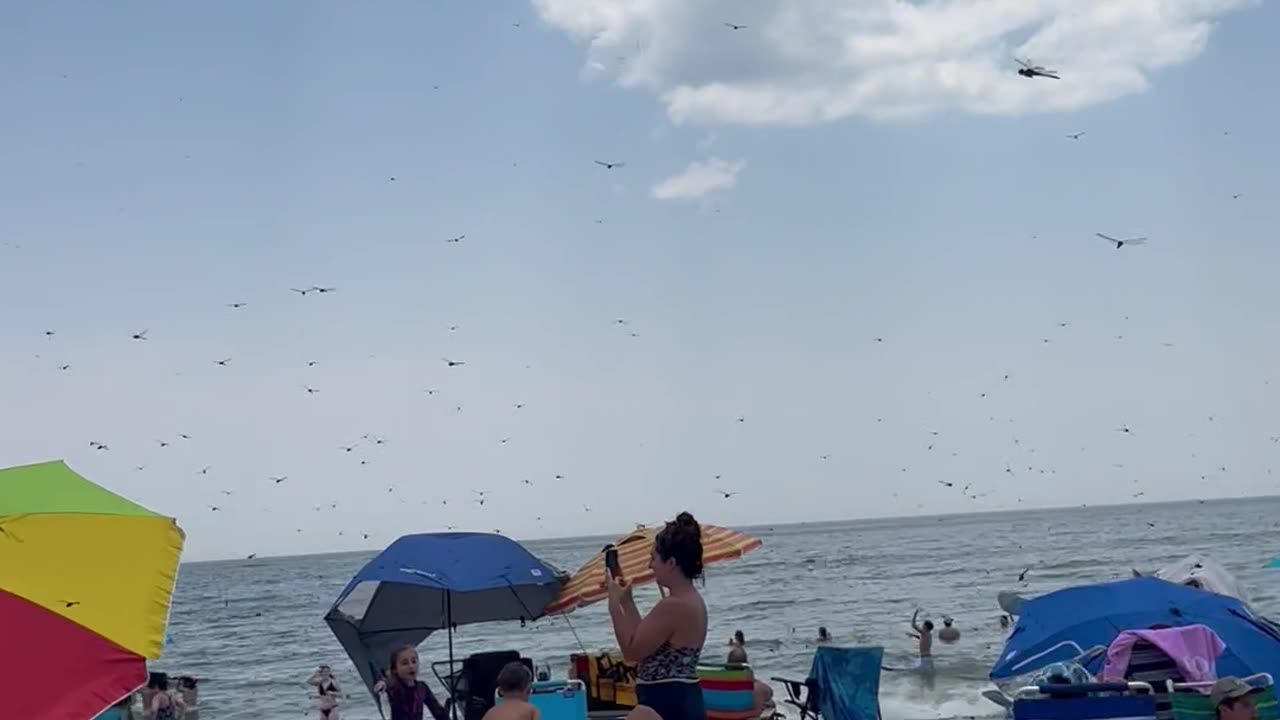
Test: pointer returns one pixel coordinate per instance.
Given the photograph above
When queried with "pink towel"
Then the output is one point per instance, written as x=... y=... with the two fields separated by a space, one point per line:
x=1195 y=649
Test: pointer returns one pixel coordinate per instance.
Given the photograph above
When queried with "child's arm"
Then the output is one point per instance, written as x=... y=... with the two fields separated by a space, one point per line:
x=534 y=713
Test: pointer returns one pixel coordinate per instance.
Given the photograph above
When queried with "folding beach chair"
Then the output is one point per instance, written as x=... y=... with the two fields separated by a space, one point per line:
x=472 y=686
x=1190 y=701
x=843 y=684
x=1093 y=701
x=1150 y=664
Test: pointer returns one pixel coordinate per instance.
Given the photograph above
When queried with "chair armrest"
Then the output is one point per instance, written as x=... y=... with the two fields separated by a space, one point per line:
x=795 y=689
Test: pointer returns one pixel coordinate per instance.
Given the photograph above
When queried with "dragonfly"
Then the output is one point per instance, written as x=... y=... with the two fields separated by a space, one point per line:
x=1121 y=242
x=1028 y=70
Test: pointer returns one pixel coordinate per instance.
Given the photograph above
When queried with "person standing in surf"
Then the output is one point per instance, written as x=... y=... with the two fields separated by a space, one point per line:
x=923 y=633
x=924 y=663
x=328 y=692
x=667 y=643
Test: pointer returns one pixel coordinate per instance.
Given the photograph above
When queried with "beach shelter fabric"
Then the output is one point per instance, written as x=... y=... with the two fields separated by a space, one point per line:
x=1063 y=625
x=587 y=584
x=86 y=578
x=436 y=581
x=1201 y=572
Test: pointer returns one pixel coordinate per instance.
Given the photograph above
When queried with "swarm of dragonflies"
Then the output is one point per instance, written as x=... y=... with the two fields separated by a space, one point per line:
x=1033 y=71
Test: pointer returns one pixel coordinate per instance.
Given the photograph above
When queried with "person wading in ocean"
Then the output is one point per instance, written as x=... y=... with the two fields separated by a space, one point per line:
x=923 y=633
x=948 y=634
x=924 y=663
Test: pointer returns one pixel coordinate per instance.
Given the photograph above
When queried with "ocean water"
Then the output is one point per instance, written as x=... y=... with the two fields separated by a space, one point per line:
x=252 y=631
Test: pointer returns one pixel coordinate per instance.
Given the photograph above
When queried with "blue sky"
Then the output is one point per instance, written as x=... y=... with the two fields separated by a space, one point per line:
x=164 y=161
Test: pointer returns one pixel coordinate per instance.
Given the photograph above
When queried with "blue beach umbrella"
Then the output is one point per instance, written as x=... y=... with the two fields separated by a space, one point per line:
x=1065 y=624
x=436 y=581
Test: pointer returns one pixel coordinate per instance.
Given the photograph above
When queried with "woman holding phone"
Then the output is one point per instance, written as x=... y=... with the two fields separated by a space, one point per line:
x=666 y=644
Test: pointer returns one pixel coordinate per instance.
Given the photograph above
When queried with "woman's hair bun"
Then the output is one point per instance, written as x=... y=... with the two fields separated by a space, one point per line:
x=685 y=521
x=681 y=540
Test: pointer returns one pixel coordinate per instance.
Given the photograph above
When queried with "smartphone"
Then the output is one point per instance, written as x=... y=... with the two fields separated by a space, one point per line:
x=611 y=561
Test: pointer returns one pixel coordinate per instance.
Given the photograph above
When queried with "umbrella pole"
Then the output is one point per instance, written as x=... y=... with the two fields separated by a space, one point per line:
x=448 y=618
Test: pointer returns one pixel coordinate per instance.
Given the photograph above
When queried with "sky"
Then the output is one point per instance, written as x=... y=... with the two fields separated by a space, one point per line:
x=847 y=266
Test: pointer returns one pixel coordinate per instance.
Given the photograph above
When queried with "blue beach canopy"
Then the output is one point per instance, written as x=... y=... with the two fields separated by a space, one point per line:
x=436 y=581
x=1065 y=624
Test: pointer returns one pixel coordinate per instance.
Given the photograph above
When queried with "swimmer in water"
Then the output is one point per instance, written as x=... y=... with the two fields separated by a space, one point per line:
x=948 y=634
x=824 y=637
x=738 y=639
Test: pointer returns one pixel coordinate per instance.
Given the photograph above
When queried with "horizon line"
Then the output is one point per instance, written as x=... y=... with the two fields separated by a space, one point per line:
x=773 y=526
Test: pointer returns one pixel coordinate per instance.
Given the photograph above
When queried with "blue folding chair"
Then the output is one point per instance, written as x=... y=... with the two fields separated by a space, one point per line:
x=843 y=684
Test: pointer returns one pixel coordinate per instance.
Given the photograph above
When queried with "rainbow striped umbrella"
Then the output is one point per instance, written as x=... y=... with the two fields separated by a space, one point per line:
x=587 y=584
x=85 y=582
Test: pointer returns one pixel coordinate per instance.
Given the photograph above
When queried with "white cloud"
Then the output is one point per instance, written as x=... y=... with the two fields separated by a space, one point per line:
x=802 y=62
x=699 y=179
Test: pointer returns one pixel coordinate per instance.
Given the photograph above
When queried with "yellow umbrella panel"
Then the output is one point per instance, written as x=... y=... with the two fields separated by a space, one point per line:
x=86 y=579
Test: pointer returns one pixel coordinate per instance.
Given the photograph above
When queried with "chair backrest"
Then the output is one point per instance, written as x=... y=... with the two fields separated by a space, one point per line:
x=728 y=691
x=1148 y=663
x=1197 y=706
x=1106 y=707
x=480 y=679
x=848 y=682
